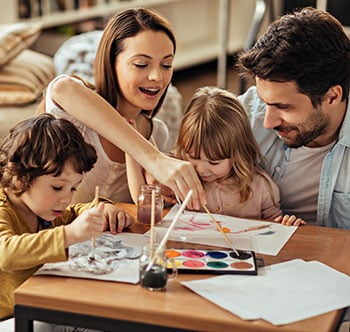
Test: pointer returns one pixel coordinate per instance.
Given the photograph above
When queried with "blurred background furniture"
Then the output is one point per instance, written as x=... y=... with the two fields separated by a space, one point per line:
x=339 y=8
x=196 y=24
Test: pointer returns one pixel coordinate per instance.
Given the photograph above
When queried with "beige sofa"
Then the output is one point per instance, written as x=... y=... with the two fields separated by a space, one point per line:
x=9 y=115
x=74 y=56
x=23 y=73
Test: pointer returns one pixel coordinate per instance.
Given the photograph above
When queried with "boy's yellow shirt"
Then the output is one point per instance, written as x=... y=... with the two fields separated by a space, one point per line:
x=23 y=252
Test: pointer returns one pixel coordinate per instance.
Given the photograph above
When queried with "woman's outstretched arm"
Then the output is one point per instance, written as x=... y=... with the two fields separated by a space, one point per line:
x=91 y=109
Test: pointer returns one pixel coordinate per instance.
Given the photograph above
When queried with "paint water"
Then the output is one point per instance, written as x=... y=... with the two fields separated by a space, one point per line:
x=144 y=204
x=155 y=269
x=155 y=278
x=144 y=214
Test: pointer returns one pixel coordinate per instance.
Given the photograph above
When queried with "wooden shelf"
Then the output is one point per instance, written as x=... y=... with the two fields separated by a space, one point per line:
x=58 y=18
x=195 y=22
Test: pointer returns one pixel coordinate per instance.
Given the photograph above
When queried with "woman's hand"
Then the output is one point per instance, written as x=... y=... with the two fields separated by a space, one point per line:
x=167 y=194
x=180 y=176
x=290 y=220
x=100 y=116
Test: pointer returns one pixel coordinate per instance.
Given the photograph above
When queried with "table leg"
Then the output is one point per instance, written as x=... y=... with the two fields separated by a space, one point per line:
x=22 y=322
x=25 y=315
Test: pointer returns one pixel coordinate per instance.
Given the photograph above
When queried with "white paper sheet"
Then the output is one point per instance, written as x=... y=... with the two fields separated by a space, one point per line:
x=280 y=294
x=195 y=227
x=121 y=250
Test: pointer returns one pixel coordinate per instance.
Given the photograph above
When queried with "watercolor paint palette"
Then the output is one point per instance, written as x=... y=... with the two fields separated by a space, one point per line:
x=213 y=261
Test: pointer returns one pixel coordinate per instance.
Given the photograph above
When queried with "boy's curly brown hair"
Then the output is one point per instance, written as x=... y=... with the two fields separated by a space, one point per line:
x=39 y=146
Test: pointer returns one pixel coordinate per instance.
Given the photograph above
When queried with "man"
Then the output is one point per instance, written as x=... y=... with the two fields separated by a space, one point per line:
x=300 y=115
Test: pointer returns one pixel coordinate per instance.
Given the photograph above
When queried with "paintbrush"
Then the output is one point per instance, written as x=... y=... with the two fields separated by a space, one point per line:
x=170 y=228
x=219 y=228
x=93 y=239
x=178 y=200
x=253 y=228
x=151 y=245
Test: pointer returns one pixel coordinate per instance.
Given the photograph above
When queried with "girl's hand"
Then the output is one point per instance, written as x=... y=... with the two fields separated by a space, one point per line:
x=290 y=220
x=87 y=225
x=168 y=195
x=115 y=219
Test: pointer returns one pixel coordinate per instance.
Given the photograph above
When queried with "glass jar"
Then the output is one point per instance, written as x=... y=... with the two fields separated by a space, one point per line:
x=155 y=268
x=144 y=204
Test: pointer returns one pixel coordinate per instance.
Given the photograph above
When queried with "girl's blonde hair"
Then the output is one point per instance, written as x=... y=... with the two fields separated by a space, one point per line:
x=215 y=121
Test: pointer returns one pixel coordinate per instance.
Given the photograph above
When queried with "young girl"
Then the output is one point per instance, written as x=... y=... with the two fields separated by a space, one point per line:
x=42 y=162
x=216 y=137
x=132 y=71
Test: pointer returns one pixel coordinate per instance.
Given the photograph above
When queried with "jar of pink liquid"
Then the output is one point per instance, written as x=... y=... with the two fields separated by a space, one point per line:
x=144 y=204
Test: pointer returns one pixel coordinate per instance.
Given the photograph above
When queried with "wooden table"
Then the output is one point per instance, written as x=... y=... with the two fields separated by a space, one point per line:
x=114 y=306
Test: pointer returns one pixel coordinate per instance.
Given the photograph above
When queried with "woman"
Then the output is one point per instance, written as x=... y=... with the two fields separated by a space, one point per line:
x=133 y=68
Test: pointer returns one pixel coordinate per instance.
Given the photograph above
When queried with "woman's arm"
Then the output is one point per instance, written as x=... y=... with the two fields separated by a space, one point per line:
x=92 y=110
x=135 y=177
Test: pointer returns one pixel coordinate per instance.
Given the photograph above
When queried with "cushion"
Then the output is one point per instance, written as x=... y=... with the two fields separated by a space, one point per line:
x=23 y=80
x=16 y=37
x=77 y=55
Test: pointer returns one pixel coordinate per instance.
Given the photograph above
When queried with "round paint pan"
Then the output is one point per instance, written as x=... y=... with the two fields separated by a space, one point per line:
x=216 y=254
x=242 y=254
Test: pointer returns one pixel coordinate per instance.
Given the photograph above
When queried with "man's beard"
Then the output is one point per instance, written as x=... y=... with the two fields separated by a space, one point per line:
x=304 y=138
x=318 y=123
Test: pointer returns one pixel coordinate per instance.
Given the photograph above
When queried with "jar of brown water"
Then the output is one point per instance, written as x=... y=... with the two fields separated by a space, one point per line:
x=144 y=204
